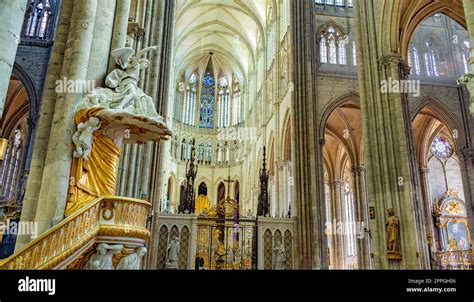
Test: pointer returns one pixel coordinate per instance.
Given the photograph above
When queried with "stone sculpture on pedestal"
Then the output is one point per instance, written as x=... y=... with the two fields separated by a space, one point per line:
x=279 y=256
x=393 y=236
x=172 y=255
x=107 y=118
x=132 y=261
x=102 y=259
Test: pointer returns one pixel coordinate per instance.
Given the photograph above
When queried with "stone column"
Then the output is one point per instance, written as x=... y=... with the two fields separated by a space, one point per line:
x=424 y=172
x=45 y=119
x=12 y=13
x=466 y=151
x=100 y=49
x=337 y=242
x=416 y=191
x=467 y=169
x=162 y=35
x=311 y=246
x=55 y=182
x=362 y=216
x=285 y=194
x=122 y=11
x=468 y=79
x=389 y=178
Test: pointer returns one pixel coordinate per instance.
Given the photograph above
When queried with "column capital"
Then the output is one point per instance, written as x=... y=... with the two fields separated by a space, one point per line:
x=335 y=183
x=390 y=60
x=404 y=70
x=358 y=169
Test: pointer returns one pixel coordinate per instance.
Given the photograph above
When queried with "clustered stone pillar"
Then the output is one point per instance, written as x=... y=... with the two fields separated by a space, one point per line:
x=424 y=179
x=337 y=240
x=44 y=123
x=362 y=215
x=469 y=78
x=101 y=46
x=119 y=37
x=55 y=183
x=311 y=243
x=159 y=77
x=79 y=53
x=389 y=183
x=11 y=20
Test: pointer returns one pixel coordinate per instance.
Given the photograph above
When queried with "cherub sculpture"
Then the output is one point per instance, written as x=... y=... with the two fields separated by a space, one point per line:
x=122 y=92
x=82 y=138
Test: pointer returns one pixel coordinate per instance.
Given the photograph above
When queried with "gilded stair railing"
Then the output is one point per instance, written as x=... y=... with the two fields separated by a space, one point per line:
x=105 y=217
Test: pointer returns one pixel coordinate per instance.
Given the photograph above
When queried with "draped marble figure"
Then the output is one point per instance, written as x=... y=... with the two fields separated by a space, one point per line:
x=103 y=118
x=122 y=92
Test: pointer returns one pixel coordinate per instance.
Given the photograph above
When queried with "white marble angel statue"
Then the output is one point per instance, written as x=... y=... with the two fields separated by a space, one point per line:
x=122 y=92
x=132 y=261
x=82 y=138
x=102 y=259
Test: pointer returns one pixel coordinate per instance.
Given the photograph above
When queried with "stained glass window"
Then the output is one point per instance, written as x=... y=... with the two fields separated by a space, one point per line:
x=207 y=102
x=348 y=214
x=223 y=104
x=332 y=50
x=189 y=103
x=38 y=19
x=465 y=55
x=416 y=61
x=10 y=170
x=208 y=152
x=237 y=107
x=340 y=3
x=354 y=53
x=464 y=63
x=332 y=46
x=323 y=50
x=441 y=147
x=431 y=61
x=342 y=51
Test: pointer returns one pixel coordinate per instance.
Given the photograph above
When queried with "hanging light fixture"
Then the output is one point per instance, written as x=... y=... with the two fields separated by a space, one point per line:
x=3 y=148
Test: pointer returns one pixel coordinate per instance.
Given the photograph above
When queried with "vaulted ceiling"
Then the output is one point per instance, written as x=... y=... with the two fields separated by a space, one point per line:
x=227 y=28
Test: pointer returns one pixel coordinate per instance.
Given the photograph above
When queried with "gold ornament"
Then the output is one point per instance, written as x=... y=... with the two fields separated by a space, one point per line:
x=96 y=176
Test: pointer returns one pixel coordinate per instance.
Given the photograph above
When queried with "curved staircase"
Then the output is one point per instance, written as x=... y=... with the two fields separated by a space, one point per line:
x=107 y=219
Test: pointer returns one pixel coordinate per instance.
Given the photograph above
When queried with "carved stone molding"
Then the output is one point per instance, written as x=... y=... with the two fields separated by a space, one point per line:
x=358 y=170
x=390 y=60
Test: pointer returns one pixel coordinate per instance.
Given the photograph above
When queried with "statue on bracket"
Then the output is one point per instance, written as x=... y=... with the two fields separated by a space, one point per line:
x=172 y=254
x=123 y=93
x=82 y=139
x=102 y=259
x=132 y=261
x=392 y=226
x=121 y=113
x=279 y=256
